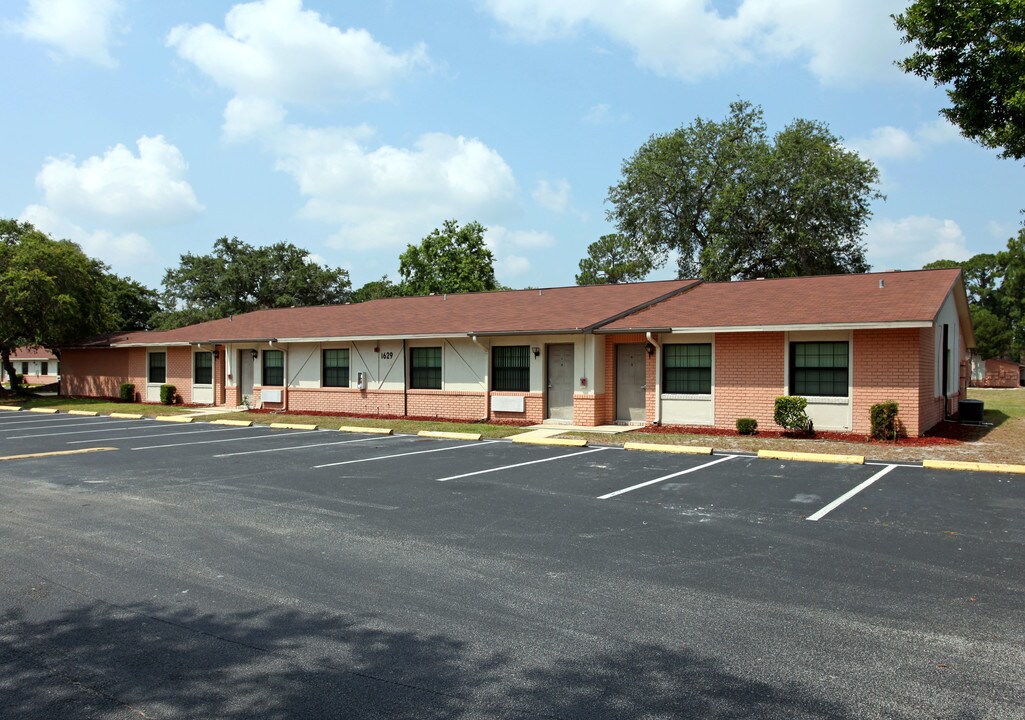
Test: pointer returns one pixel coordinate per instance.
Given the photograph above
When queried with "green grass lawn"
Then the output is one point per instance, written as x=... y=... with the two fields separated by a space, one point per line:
x=399 y=426
x=103 y=407
x=1009 y=402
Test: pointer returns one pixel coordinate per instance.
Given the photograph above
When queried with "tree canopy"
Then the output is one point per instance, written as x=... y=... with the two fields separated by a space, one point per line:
x=376 y=289
x=451 y=259
x=995 y=285
x=51 y=293
x=730 y=202
x=613 y=259
x=134 y=306
x=237 y=277
x=975 y=48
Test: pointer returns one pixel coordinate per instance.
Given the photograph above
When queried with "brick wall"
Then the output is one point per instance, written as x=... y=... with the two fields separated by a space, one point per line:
x=533 y=407
x=95 y=373
x=888 y=365
x=749 y=371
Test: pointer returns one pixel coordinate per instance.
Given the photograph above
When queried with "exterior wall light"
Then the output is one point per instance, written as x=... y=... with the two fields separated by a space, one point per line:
x=536 y=351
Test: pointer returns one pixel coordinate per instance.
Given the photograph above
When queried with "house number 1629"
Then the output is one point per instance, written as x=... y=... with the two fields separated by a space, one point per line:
x=387 y=355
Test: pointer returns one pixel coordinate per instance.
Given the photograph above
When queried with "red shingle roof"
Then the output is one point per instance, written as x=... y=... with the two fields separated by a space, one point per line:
x=556 y=310
x=911 y=296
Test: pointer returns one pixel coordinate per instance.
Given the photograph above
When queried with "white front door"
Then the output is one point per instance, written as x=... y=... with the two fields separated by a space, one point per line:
x=560 y=382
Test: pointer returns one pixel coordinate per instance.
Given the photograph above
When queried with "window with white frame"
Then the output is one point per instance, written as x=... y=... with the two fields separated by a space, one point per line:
x=820 y=369
x=687 y=369
x=336 y=367
x=203 y=368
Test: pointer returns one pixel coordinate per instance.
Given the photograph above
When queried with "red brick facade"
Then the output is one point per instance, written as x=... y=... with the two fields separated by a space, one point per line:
x=749 y=373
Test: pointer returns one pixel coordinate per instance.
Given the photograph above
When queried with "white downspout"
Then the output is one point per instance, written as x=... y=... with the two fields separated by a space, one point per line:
x=658 y=376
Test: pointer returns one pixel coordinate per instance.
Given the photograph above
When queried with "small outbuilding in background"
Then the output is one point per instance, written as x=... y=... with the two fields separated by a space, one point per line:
x=997 y=373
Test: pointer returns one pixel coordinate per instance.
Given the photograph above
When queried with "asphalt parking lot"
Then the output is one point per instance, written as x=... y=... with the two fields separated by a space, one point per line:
x=195 y=570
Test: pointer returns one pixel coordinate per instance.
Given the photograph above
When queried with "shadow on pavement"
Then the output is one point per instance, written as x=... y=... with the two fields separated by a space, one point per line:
x=147 y=660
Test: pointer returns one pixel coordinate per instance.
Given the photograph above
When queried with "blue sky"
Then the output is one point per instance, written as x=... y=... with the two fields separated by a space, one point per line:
x=144 y=130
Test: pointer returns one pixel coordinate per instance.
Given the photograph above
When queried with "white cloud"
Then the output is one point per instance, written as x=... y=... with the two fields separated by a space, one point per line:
x=893 y=143
x=125 y=252
x=512 y=266
x=552 y=195
x=276 y=50
x=602 y=114
x=909 y=243
x=74 y=28
x=387 y=195
x=121 y=188
x=843 y=41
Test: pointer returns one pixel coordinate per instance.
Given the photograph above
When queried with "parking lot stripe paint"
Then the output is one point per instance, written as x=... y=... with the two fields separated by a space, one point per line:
x=292 y=426
x=156 y=435
x=370 y=430
x=233 y=423
x=397 y=455
x=812 y=457
x=66 y=432
x=849 y=494
x=56 y=453
x=11 y=408
x=127 y=416
x=661 y=447
x=174 y=418
x=445 y=435
x=976 y=466
x=666 y=477
x=45 y=423
x=529 y=462
x=45 y=411
x=301 y=447
x=83 y=413
x=208 y=442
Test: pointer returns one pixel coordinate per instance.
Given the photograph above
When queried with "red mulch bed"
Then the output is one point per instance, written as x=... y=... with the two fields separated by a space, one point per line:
x=947 y=438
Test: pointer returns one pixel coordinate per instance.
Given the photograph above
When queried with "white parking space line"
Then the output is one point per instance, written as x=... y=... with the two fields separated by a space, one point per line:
x=263 y=436
x=416 y=452
x=71 y=432
x=849 y=494
x=54 y=420
x=156 y=435
x=311 y=445
x=530 y=462
x=666 y=477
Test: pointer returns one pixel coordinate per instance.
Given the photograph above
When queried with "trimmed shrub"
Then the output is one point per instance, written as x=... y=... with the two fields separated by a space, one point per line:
x=790 y=414
x=167 y=393
x=885 y=423
x=127 y=393
x=747 y=426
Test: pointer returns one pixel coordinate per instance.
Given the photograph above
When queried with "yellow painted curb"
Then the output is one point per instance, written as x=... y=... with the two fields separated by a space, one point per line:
x=59 y=452
x=127 y=416
x=977 y=466
x=48 y=411
x=564 y=442
x=12 y=408
x=812 y=457
x=445 y=435
x=233 y=423
x=83 y=413
x=174 y=418
x=680 y=449
x=292 y=426
x=370 y=430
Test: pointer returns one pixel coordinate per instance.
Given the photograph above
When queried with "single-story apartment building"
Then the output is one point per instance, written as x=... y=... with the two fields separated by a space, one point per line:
x=998 y=373
x=667 y=352
x=36 y=365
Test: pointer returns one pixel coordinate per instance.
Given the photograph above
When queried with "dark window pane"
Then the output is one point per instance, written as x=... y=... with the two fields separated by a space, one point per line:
x=425 y=368
x=44 y=368
x=820 y=368
x=511 y=368
x=273 y=367
x=687 y=369
x=336 y=368
x=158 y=367
x=204 y=368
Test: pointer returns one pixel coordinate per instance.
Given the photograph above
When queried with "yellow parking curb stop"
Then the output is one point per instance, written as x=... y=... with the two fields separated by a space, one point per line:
x=812 y=457
x=679 y=449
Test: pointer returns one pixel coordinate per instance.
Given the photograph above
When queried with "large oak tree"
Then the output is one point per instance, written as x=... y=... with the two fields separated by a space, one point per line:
x=730 y=202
